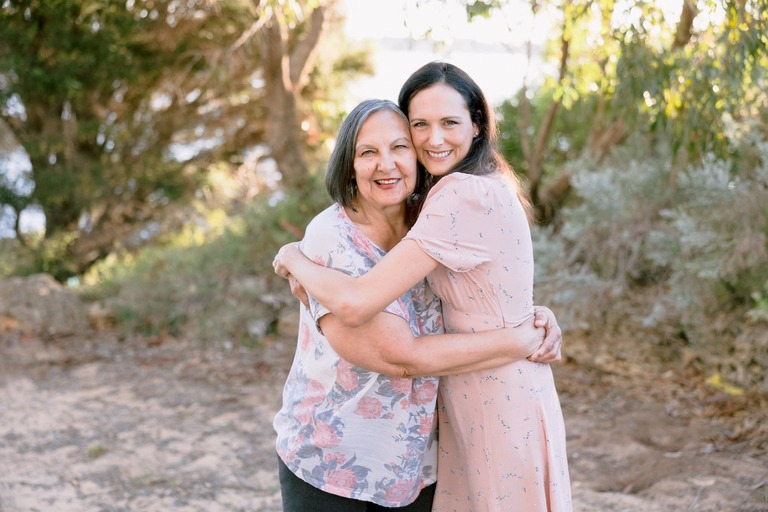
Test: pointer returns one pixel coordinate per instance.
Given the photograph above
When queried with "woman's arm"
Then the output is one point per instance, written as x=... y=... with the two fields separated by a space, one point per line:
x=516 y=341
x=385 y=344
x=355 y=300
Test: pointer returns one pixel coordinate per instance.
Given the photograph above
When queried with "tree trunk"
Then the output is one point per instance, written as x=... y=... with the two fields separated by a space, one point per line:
x=48 y=136
x=684 y=24
x=285 y=75
x=542 y=200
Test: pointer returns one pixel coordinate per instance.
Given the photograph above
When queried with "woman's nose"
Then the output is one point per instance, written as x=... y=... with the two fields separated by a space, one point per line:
x=436 y=137
x=387 y=161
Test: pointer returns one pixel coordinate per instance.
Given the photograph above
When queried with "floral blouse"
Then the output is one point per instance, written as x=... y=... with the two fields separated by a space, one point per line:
x=343 y=429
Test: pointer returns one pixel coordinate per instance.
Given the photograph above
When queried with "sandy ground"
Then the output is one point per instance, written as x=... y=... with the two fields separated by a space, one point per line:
x=95 y=423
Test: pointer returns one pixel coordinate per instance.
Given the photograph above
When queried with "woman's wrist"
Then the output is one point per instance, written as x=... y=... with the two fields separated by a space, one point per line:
x=291 y=257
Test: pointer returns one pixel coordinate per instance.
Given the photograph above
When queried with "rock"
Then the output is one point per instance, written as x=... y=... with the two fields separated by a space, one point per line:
x=40 y=305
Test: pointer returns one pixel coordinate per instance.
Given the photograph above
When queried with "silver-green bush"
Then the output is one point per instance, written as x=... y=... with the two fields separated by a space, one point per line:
x=676 y=259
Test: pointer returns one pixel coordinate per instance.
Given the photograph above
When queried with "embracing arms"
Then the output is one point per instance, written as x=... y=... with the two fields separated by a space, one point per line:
x=386 y=345
x=355 y=300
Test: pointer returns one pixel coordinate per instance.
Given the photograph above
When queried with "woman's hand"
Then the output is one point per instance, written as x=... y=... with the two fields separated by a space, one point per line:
x=281 y=259
x=550 y=350
x=298 y=291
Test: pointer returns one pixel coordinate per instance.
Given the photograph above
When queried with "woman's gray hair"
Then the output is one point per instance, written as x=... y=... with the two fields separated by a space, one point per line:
x=340 y=174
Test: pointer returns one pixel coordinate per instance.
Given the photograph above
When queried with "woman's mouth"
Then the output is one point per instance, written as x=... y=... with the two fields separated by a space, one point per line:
x=440 y=154
x=390 y=181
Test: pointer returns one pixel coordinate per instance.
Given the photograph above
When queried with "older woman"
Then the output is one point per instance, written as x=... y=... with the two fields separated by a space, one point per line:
x=356 y=429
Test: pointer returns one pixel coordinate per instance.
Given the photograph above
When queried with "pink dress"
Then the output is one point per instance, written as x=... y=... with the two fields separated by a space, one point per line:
x=501 y=432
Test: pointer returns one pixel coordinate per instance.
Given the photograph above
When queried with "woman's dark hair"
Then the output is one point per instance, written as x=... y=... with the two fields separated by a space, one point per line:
x=484 y=156
x=340 y=173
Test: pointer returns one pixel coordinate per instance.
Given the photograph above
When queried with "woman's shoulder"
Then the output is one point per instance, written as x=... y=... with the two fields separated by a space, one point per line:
x=460 y=192
x=332 y=231
x=328 y=218
x=467 y=184
x=487 y=179
x=327 y=227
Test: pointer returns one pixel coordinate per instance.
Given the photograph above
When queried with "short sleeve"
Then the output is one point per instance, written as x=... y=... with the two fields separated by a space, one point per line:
x=316 y=249
x=331 y=239
x=451 y=225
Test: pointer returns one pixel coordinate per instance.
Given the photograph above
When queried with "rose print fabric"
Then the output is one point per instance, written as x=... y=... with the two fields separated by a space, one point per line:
x=502 y=435
x=343 y=429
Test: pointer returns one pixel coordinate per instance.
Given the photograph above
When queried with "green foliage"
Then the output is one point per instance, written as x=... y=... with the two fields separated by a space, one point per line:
x=716 y=241
x=37 y=255
x=760 y=312
x=97 y=450
x=123 y=107
x=214 y=286
x=61 y=48
x=683 y=262
x=569 y=135
x=608 y=224
x=49 y=256
x=11 y=257
x=632 y=73
x=684 y=94
x=481 y=9
x=85 y=74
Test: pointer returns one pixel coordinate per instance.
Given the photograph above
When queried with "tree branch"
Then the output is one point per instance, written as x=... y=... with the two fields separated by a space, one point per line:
x=305 y=50
x=683 y=32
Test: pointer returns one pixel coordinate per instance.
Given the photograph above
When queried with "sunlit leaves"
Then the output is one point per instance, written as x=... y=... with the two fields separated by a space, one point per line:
x=479 y=9
x=292 y=12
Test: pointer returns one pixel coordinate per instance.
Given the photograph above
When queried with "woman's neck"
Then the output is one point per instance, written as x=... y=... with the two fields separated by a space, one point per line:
x=384 y=227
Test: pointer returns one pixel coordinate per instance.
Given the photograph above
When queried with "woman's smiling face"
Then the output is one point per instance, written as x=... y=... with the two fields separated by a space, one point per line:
x=441 y=128
x=385 y=161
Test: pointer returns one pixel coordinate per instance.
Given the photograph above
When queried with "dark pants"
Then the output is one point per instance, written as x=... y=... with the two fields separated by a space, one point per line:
x=299 y=496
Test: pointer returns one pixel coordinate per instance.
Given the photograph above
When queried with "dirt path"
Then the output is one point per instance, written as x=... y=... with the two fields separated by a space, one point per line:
x=99 y=424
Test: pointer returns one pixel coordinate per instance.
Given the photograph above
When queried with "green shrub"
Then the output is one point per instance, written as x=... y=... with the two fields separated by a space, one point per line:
x=219 y=288
x=37 y=255
x=674 y=259
x=10 y=257
x=716 y=238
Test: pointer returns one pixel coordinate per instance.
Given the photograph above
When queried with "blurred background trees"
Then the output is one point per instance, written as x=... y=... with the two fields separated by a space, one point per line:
x=174 y=145
x=125 y=108
x=646 y=156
